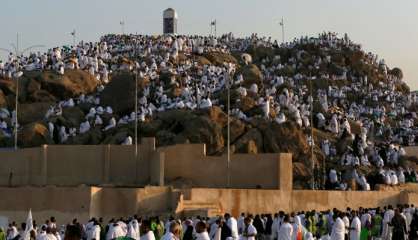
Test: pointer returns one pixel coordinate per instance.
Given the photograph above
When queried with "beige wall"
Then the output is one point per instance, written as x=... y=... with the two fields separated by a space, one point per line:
x=189 y=163
x=61 y=202
x=63 y=165
x=236 y=201
x=66 y=203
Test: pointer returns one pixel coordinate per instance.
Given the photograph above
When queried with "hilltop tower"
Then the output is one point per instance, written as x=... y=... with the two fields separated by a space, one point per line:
x=170 y=21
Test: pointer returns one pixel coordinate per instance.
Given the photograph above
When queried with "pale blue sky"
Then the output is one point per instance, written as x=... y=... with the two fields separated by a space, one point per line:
x=386 y=27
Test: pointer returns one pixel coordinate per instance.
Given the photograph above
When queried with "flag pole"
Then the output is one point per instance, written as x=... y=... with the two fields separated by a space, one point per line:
x=282 y=24
x=215 y=28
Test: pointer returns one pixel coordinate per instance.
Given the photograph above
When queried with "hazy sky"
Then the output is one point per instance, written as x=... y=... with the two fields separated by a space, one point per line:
x=386 y=27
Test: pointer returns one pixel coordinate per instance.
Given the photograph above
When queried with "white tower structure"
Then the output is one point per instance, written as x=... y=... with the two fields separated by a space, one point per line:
x=170 y=21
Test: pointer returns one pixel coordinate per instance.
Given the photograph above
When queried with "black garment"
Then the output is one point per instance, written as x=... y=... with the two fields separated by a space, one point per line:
x=399 y=227
x=269 y=224
x=188 y=234
x=258 y=224
x=413 y=234
x=225 y=232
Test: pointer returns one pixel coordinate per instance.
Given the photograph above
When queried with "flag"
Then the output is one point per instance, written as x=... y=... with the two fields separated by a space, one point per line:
x=213 y=23
x=73 y=33
x=29 y=226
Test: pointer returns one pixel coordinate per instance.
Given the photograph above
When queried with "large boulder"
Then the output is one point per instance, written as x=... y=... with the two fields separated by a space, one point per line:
x=181 y=126
x=218 y=58
x=73 y=115
x=120 y=93
x=285 y=137
x=203 y=130
x=32 y=112
x=8 y=86
x=72 y=84
x=246 y=103
x=397 y=72
x=33 y=135
x=3 y=101
x=92 y=137
x=202 y=60
x=250 y=142
x=251 y=74
x=150 y=128
x=216 y=115
x=118 y=137
x=237 y=129
x=41 y=96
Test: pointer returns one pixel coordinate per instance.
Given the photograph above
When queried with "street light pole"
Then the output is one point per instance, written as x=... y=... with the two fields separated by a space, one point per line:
x=215 y=28
x=73 y=34
x=16 y=107
x=312 y=136
x=228 y=130
x=122 y=24
x=136 y=114
x=16 y=77
x=282 y=25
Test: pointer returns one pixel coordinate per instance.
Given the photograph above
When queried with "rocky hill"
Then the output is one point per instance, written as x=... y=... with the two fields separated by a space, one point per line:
x=39 y=90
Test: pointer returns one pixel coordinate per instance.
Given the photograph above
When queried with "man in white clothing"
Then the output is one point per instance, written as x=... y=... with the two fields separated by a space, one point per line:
x=115 y=231
x=201 y=231
x=232 y=224
x=355 y=227
x=285 y=230
x=174 y=233
x=146 y=228
x=133 y=229
x=338 y=229
x=249 y=231
x=387 y=218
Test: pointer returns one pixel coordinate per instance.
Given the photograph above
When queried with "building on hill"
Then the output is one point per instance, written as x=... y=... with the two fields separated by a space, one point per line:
x=170 y=18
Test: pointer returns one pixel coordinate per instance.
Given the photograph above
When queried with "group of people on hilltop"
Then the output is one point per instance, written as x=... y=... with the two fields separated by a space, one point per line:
x=351 y=96
x=363 y=224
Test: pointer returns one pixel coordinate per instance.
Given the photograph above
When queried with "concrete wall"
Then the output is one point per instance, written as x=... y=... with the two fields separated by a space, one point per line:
x=94 y=165
x=62 y=202
x=236 y=201
x=190 y=164
x=63 y=165
x=66 y=203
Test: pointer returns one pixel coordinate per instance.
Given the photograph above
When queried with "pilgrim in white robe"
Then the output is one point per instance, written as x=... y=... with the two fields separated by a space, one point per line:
x=84 y=126
x=285 y=232
x=133 y=227
x=127 y=141
x=338 y=230
x=112 y=124
x=355 y=229
x=148 y=236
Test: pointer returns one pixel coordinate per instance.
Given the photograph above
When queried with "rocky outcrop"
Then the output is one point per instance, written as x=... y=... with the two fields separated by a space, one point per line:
x=33 y=135
x=72 y=84
x=218 y=58
x=3 y=101
x=120 y=93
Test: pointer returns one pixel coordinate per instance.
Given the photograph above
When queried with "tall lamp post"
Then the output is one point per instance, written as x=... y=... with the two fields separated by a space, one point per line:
x=16 y=77
x=136 y=113
x=213 y=27
x=122 y=24
x=228 y=164
x=73 y=33
x=282 y=25
x=312 y=136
